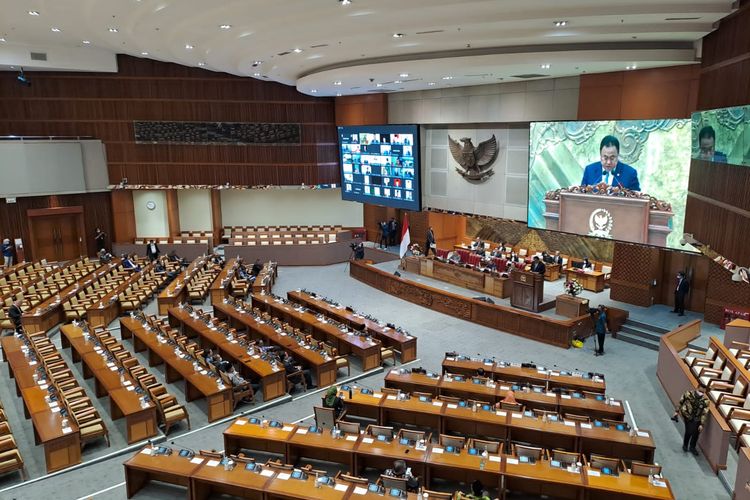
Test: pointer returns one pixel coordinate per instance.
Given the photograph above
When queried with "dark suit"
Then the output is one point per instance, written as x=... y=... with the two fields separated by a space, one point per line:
x=152 y=254
x=15 y=313
x=538 y=267
x=430 y=242
x=624 y=176
x=680 y=291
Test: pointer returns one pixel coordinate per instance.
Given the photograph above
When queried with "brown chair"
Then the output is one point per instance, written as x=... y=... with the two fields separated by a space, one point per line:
x=387 y=353
x=480 y=445
x=522 y=450
x=456 y=442
x=170 y=412
x=643 y=469
x=511 y=406
x=340 y=476
x=578 y=418
x=566 y=457
x=11 y=461
x=90 y=425
x=389 y=482
x=240 y=392
x=7 y=443
x=599 y=462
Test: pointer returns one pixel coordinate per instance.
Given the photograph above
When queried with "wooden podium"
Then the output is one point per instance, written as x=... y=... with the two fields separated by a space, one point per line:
x=606 y=212
x=528 y=290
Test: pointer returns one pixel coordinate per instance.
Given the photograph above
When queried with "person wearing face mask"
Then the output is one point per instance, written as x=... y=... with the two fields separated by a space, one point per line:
x=681 y=290
x=693 y=408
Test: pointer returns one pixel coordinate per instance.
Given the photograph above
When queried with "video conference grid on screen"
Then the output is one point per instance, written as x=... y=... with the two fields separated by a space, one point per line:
x=379 y=165
x=722 y=135
x=650 y=157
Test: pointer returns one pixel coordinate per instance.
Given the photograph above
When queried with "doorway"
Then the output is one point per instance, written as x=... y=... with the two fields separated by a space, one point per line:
x=57 y=234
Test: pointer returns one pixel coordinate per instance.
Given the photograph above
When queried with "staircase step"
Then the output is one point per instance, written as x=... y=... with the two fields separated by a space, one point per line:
x=639 y=332
x=641 y=341
x=646 y=326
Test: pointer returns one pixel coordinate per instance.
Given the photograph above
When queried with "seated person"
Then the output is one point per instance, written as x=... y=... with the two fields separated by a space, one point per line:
x=173 y=257
x=477 y=492
x=128 y=263
x=497 y=252
x=557 y=259
x=15 y=312
x=547 y=258
x=217 y=260
x=487 y=263
x=237 y=381
x=513 y=257
x=504 y=248
x=332 y=400
x=161 y=268
x=510 y=398
x=213 y=358
x=587 y=265
x=291 y=366
x=257 y=268
x=104 y=256
x=242 y=273
x=478 y=246
x=400 y=470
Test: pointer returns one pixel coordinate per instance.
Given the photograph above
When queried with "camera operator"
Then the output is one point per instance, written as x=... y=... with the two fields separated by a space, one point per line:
x=358 y=249
x=600 y=327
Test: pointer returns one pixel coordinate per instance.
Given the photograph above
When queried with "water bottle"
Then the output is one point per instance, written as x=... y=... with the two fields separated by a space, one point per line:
x=484 y=458
x=474 y=408
x=317 y=480
x=350 y=393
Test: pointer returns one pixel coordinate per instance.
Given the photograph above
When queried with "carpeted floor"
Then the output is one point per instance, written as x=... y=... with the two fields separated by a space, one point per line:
x=630 y=372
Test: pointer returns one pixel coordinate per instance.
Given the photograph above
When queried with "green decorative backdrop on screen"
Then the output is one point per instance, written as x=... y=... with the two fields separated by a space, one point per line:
x=732 y=134
x=659 y=150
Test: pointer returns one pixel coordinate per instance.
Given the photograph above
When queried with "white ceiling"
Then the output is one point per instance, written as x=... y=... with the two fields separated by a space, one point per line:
x=472 y=41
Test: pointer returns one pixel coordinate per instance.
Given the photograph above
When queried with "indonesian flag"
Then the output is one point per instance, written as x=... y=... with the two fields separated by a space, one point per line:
x=405 y=240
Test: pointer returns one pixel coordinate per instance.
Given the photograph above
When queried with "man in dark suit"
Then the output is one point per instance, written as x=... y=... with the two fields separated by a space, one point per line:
x=152 y=250
x=707 y=146
x=610 y=170
x=680 y=291
x=430 y=245
x=537 y=266
x=557 y=259
x=257 y=268
x=14 y=313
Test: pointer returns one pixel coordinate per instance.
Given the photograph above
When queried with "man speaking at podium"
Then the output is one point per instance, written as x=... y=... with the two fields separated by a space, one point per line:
x=610 y=170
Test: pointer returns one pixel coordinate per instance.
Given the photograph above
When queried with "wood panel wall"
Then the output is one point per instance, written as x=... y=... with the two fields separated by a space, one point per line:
x=650 y=93
x=362 y=110
x=96 y=208
x=104 y=106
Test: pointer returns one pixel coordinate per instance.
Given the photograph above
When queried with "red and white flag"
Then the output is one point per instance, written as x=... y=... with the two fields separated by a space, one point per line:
x=405 y=240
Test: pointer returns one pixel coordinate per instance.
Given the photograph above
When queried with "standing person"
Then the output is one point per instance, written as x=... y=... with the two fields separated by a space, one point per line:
x=680 y=291
x=152 y=250
x=430 y=245
x=537 y=266
x=384 y=234
x=393 y=231
x=601 y=329
x=693 y=408
x=100 y=239
x=15 y=313
x=610 y=169
x=7 y=250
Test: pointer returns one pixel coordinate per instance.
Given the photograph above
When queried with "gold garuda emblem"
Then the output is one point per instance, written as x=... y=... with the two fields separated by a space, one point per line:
x=475 y=162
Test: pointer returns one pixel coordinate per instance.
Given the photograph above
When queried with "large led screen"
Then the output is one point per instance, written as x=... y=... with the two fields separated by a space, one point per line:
x=380 y=165
x=722 y=135
x=622 y=180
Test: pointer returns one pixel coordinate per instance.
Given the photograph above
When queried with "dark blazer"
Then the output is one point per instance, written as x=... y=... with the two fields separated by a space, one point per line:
x=626 y=176
x=430 y=237
x=15 y=313
x=682 y=288
x=538 y=267
x=152 y=255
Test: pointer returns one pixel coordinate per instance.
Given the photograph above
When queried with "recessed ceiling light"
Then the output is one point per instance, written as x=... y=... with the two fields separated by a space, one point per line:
x=226 y=26
x=297 y=50
x=256 y=74
x=338 y=94
x=33 y=12
x=201 y=63
x=144 y=53
x=85 y=42
x=378 y=84
x=337 y=82
x=188 y=46
x=313 y=91
x=56 y=30
x=447 y=78
x=404 y=75
x=113 y=30
x=560 y=24
x=633 y=66
x=397 y=81
x=545 y=66
x=345 y=2
x=398 y=35
x=431 y=84
x=2 y=39
x=257 y=63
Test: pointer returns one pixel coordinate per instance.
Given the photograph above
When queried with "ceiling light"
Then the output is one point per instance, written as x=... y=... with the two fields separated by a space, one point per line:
x=2 y=39
x=560 y=24
x=33 y=12
x=397 y=81
x=297 y=50
x=226 y=26
x=113 y=30
x=144 y=53
x=85 y=42
x=404 y=75
x=257 y=63
x=188 y=46
x=56 y=30
x=313 y=91
x=345 y=2
x=631 y=67
x=337 y=82
x=398 y=35
x=545 y=66
x=201 y=63
x=338 y=94
x=256 y=74
x=447 y=78
x=431 y=84
x=378 y=84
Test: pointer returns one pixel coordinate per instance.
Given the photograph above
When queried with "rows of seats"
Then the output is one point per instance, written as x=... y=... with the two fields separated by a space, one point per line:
x=291 y=238
x=139 y=292
x=233 y=230
x=169 y=410
x=10 y=457
x=176 y=240
x=69 y=393
x=200 y=282
x=21 y=276
x=77 y=306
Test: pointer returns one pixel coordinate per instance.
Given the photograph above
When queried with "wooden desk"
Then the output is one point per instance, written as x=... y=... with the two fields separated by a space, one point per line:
x=323 y=367
x=366 y=349
x=198 y=383
x=273 y=380
x=406 y=344
x=108 y=308
x=465 y=277
x=593 y=280
x=506 y=319
x=266 y=278
x=571 y=307
x=142 y=468
x=176 y=292
x=551 y=272
x=62 y=446
x=220 y=286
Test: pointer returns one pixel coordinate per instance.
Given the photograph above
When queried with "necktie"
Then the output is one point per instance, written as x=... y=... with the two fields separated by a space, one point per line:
x=605 y=177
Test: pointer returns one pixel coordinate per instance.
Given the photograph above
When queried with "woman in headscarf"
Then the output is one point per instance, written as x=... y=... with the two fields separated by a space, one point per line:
x=332 y=400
